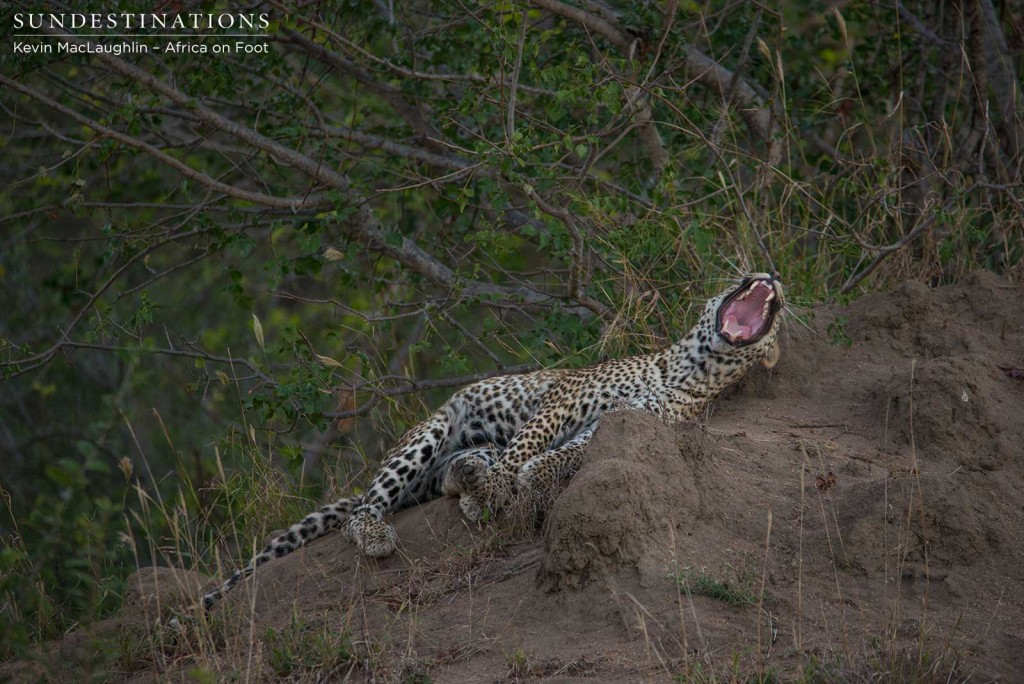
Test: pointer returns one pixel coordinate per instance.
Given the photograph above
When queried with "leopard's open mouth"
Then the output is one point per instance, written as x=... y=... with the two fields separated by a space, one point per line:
x=746 y=314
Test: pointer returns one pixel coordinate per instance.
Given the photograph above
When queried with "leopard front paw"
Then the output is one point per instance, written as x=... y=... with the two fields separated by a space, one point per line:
x=540 y=482
x=466 y=476
x=371 y=535
x=531 y=477
x=492 y=489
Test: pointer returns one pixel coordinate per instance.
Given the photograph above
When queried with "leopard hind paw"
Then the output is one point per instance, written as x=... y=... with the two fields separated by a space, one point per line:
x=371 y=534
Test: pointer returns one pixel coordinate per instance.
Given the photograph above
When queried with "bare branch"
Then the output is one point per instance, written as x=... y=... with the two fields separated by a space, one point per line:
x=189 y=354
x=441 y=161
x=602 y=27
x=699 y=66
x=919 y=26
x=284 y=155
x=510 y=125
x=884 y=253
x=720 y=80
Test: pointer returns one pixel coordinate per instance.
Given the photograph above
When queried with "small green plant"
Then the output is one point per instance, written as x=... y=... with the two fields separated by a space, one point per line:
x=300 y=648
x=518 y=663
x=837 y=331
x=417 y=677
x=202 y=675
x=134 y=649
x=740 y=592
x=817 y=669
x=694 y=673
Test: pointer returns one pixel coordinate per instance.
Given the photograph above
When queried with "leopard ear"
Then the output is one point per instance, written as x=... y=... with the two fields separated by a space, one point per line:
x=773 y=356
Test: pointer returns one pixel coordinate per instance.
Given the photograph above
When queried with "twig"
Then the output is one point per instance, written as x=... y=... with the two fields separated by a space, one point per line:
x=231 y=361
x=885 y=252
x=472 y=338
x=510 y=125
x=920 y=27
x=576 y=265
x=35 y=360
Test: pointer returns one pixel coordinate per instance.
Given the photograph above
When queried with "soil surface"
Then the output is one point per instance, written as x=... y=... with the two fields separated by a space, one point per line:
x=855 y=514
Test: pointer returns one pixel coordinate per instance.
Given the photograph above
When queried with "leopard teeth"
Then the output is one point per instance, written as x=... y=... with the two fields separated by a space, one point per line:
x=750 y=290
x=746 y=293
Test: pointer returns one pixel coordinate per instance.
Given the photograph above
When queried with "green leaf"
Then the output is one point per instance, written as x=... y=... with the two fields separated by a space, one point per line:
x=257 y=329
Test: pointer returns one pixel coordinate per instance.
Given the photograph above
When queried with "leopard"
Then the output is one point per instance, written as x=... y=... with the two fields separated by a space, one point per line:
x=528 y=432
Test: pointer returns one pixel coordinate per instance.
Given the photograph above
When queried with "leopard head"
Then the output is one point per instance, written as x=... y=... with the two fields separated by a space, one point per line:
x=743 y=321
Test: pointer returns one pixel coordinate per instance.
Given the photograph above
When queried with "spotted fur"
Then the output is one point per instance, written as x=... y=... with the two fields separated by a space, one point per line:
x=523 y=432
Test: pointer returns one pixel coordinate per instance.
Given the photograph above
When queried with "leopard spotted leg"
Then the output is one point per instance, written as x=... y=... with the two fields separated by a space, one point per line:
x=403 y=480
x=480 y=486
x=410 y=475
x=448 y=475
x=492 y=488
x=545 y=471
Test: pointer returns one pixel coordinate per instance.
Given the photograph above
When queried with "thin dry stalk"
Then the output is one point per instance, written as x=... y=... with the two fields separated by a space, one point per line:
x=760 y=600
x=800 y=562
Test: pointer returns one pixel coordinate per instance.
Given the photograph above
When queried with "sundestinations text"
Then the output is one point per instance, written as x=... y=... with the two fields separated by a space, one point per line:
x=132 y=21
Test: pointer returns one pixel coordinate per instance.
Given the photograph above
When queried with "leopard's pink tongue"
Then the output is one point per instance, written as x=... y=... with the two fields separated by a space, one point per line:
x=738 y=331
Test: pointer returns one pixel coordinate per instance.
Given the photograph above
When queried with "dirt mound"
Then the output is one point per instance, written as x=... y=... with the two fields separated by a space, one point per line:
x=647 y=483
x=858 y=510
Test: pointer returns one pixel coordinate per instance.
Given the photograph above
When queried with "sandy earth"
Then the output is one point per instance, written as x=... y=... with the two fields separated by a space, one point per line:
x=856 y=514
